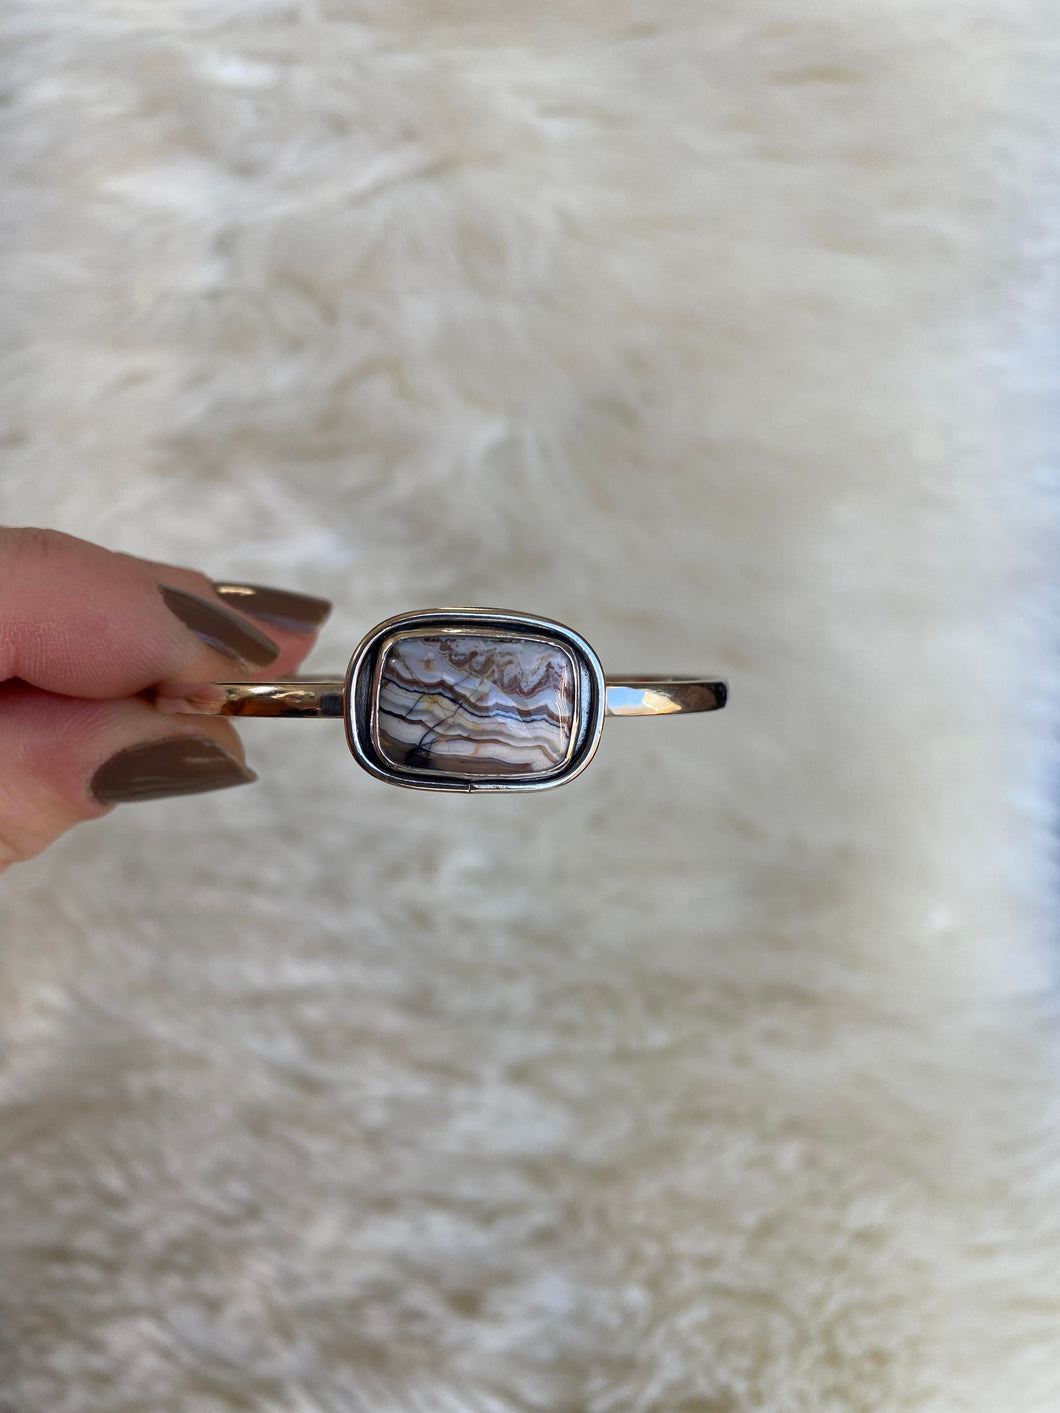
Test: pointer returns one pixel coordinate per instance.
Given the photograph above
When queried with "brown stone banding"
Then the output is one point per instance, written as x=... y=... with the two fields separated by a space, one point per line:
x=475 y=704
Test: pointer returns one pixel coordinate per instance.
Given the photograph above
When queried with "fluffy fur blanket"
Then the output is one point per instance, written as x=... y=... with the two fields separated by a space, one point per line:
x=724 y=1079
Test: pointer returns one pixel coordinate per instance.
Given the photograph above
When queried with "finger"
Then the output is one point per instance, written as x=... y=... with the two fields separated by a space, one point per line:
x=291 y=620
x=65 y=759
x=84 y=621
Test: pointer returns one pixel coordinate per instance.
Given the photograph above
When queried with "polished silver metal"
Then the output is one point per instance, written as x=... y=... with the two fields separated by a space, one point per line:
x=356 y=697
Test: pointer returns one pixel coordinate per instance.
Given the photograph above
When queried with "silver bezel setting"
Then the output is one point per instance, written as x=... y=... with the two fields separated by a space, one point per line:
x=361 y=691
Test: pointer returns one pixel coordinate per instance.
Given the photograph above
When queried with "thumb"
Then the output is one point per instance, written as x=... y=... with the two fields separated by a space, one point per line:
x=64 y=760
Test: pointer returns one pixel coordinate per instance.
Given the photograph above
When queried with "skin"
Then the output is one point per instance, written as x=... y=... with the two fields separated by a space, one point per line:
x=83 y=633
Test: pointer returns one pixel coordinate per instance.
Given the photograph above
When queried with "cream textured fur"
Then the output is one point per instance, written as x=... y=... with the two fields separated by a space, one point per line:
x=727 y=1077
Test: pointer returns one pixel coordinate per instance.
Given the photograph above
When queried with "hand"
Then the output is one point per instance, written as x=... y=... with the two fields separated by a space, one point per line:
x=85 y=634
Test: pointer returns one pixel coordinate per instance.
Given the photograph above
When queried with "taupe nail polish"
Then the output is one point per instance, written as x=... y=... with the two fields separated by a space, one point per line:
x=221 y=630
x=178 y=765
x=297 y=613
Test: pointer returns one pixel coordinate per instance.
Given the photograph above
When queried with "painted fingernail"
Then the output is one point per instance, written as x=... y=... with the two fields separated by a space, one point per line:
x=298 y=613
x=219 y=629
x=178 y=765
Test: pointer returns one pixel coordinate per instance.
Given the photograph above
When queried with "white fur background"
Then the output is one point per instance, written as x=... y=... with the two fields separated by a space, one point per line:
x=726 y=1078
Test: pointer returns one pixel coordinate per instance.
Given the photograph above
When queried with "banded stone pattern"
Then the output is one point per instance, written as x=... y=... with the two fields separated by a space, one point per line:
x=471 y=704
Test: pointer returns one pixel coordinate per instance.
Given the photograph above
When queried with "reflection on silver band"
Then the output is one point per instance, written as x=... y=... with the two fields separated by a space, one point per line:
x=662 y=696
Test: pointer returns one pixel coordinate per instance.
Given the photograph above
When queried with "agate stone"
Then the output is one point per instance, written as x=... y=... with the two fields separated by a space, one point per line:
x=475 y=704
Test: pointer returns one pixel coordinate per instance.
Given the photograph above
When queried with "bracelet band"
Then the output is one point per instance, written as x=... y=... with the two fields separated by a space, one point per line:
x=462 y=699
x=323 y=697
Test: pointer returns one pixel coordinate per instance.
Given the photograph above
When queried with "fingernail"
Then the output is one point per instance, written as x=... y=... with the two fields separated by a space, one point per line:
x=298 y=613
x=219 y=629
x=178 y=765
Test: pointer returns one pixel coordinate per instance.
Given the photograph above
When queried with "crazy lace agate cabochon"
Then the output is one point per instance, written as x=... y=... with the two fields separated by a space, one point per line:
x=471 y=704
